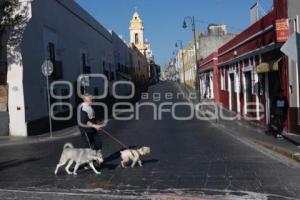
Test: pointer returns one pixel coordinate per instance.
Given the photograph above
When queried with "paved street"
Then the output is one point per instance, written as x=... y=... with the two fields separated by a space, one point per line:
x=189 y=158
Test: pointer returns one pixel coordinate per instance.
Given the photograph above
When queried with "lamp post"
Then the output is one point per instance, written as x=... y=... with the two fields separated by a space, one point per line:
x=192 y=21
x=182 y=58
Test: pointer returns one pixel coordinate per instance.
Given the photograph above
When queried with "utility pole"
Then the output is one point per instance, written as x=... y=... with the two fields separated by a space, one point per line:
x=192 y=20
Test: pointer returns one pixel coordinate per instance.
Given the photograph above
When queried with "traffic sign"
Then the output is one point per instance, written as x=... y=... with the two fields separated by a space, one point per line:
x=47 y=68
x=85 y=81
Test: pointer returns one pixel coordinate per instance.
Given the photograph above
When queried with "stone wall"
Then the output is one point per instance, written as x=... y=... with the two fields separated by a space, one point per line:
x=3 y=98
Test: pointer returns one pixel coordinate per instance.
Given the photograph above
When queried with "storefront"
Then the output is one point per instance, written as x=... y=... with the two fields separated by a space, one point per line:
x=252 y=69
x=208 y=84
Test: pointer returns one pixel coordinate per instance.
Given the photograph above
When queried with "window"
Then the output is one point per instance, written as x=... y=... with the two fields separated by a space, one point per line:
x=58 y=71
x=65 y=92
x=256 y=60
x=87 y=70
x=251 y=61
x=57 y=65
x=106 y=73
x=136 y=38
x=51 y=51
x=112 y=76
x=222 y=80
x=246 y=62
x=83 y=62
x=237 y=82
x=96 y=91
x=254 y=78
x=3 y=73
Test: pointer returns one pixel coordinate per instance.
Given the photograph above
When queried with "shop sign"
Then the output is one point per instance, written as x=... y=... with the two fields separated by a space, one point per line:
x=282 y=30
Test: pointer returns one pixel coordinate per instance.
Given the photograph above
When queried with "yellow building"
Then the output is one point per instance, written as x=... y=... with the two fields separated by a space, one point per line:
x=187 y=57
x=138 y=51
x=189 y=66
x=137 y=32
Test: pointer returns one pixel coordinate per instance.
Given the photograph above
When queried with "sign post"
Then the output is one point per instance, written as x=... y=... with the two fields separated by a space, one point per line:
x=47 y=70
x=85 y=82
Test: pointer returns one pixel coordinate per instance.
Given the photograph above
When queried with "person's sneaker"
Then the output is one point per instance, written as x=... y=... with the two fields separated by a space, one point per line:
x=279 y=137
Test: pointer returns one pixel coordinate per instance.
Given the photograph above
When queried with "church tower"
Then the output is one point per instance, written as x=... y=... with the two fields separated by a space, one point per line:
x=137 y=32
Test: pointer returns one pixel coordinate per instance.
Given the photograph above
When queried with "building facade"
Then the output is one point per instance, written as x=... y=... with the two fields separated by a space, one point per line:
x=208 y=71
x=189 y=67
x=154 y=73
x=84 y=46
x=294 y=71
x=216 y=36
x=252 y=70
x=141 y=68
x=137 y=32
x=123 y=61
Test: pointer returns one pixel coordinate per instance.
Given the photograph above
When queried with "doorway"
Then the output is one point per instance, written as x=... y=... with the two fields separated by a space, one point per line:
x=248 y=90
x=274 y=87
x=232 y=93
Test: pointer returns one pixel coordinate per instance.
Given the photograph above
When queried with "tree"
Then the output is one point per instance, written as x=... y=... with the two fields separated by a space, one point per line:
x=8 y=20
x=7 y=14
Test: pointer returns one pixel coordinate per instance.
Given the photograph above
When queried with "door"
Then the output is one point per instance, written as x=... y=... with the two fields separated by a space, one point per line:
x=233 y=93
x=248 y=90
x=274 y=87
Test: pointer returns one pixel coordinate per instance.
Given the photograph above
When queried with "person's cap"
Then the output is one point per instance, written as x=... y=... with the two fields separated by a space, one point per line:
x=87 y=95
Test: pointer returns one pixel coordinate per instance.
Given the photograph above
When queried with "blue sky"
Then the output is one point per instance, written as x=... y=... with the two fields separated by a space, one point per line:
x=163 y=18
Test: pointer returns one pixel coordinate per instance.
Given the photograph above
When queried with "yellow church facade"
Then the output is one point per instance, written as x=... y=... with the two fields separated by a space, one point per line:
x=138 y=51
x=137 y=32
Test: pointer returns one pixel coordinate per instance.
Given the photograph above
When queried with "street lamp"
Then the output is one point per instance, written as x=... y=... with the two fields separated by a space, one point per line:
x=192 y=21
x=182 y=58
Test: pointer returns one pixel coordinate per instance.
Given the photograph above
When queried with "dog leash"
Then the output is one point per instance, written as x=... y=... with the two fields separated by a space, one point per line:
x=88 y=139
x=118 y=141
x=115 y=139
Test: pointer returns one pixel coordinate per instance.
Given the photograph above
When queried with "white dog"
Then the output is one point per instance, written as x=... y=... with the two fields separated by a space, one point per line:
x=79 y=156
x=134 y=156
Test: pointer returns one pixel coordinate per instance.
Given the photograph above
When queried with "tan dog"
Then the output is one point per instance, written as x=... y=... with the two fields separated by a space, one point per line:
x=134 y=156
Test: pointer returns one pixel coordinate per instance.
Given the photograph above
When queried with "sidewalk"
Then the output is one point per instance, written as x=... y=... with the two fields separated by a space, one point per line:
x=57 y=135
x=252 y=132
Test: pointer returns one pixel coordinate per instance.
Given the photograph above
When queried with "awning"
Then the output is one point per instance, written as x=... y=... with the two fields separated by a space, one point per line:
x=268 y=66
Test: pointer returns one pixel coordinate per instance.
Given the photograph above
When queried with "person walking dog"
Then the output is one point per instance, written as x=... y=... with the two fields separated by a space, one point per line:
x=278 y=116
x=88 y=126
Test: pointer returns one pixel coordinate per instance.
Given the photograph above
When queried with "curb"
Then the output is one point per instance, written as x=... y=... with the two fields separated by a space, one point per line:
x=283 y=151
x=293 y=155
x=40 y=139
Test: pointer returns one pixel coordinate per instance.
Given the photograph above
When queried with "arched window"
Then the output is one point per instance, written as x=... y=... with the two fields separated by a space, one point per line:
x=136 y=38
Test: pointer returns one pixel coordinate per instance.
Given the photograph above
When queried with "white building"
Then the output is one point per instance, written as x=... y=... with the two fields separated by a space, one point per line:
x=149 y=52
x=75 y=42
x=123 y=61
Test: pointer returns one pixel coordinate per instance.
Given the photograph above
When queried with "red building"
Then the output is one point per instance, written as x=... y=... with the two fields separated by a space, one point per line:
x=208 y=74
x=250 y=70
